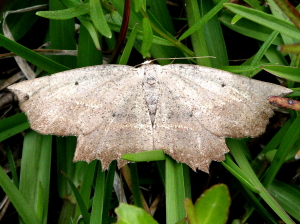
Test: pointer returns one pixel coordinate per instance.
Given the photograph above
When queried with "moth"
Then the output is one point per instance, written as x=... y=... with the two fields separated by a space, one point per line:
x=185 y=110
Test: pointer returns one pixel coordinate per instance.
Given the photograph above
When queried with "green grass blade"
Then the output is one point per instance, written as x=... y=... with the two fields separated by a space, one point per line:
x=147 y=37
x=69 y=13
x=286 y=72
x=98 y=199
x=35 y=172
x=31 y=56
x=270 y=21
x=129 y=46
x=24 y=210
x=245 y=27
x=287 y=196
x=83 y=208
x=175 y=191
x=135 y=186
x=98 y=18
x=289 y=139
x=192 y=29
x=13 y=125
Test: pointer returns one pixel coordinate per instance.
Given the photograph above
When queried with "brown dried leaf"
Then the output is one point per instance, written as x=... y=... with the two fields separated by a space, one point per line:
x=186 y=110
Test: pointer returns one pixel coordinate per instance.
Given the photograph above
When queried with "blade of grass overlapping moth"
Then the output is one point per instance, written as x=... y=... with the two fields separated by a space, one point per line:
x=245 y=27
x=86 y=186
x=12 y=166
x=128 y=47
x=98 y=18
x=31 y=56
x=287 y=196
x=235 y=147
x=145 y=156
x=83 y=208
x=99 y=195
x=13 y=125
x=285 y=146
x=35 y=170
x=214 y=37
x=24 y=209
x=21 y=23
x=175 y=191
x=198 y=37
x=108 y=191
x=265 y=19
x=198 y=24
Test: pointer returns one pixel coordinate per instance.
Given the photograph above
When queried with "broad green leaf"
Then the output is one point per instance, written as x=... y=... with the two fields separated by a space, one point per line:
x=129 y=214
x=213 y=205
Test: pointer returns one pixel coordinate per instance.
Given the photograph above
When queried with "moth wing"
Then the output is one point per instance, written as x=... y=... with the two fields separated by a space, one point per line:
x=103 y=105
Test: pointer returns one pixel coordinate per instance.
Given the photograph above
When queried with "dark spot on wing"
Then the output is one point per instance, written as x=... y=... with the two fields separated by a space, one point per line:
x=26 y=97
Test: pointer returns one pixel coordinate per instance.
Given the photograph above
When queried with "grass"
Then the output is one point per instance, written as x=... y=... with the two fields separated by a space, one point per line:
x=49 y=188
